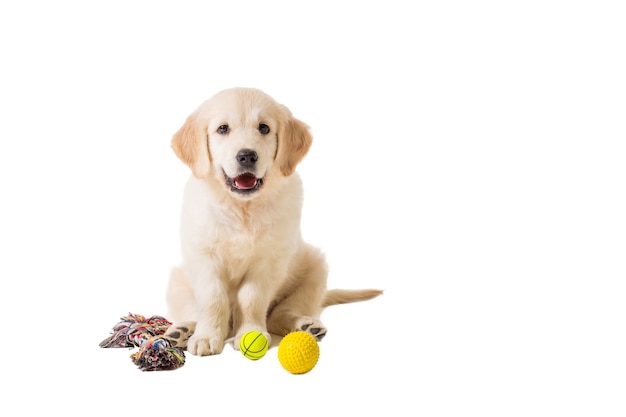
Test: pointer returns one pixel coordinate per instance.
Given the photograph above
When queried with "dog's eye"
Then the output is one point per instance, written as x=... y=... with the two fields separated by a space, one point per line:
x=223 y=129
x=264 y=129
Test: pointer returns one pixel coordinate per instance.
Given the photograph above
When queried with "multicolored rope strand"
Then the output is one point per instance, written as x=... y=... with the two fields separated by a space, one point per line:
x=156 y=352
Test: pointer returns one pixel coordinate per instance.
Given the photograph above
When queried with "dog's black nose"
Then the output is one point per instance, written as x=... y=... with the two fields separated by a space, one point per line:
x=247 y=158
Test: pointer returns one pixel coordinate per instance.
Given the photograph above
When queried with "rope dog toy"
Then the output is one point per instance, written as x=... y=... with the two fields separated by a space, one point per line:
x=156 y=352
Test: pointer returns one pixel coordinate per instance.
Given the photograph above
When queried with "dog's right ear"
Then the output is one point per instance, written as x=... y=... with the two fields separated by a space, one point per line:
x=190 y=144
x=294 y=141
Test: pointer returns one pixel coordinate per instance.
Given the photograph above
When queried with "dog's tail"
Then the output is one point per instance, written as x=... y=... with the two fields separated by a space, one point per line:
x=333 y=297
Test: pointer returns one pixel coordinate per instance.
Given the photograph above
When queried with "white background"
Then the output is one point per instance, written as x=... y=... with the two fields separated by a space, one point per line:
x=467 y=159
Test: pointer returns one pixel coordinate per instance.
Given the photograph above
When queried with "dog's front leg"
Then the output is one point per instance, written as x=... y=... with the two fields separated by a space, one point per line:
x=212 y=307
x=253 y=300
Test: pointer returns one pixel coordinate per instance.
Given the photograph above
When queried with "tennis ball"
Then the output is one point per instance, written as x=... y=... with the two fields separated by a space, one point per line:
x=298 y=352
x=253 y=345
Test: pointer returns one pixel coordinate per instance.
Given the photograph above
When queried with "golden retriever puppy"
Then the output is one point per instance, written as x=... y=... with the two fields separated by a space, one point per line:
x=244 y=263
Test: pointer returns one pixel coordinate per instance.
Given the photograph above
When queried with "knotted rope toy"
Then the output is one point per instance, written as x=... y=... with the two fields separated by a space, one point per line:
x=156 y=352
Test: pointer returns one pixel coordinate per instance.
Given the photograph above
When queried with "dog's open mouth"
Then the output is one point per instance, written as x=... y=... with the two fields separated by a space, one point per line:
x=244 y=183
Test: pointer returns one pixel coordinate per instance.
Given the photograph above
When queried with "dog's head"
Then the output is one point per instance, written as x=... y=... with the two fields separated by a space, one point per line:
x=243 y=138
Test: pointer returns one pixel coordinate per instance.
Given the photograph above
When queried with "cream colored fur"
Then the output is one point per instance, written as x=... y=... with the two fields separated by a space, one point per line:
x=244 y=263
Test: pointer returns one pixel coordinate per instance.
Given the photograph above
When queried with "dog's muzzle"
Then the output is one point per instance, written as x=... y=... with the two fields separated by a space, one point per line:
x=245 y=183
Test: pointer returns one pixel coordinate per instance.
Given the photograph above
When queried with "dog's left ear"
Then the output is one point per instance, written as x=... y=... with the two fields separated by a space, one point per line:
x=190 y=145
x=294 y=141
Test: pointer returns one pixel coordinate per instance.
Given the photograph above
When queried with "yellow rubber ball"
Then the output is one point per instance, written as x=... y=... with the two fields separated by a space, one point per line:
x=298 y=352
x=253 y=345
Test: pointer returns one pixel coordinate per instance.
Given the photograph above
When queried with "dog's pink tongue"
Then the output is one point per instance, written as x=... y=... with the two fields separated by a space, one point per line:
x=245 y=181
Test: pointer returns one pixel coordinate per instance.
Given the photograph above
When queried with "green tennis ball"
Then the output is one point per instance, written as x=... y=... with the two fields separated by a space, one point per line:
x=253 y=345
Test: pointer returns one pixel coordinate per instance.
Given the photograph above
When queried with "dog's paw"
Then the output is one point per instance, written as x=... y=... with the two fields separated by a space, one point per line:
x=313 y=326
x=205 y=345
x=179 y=333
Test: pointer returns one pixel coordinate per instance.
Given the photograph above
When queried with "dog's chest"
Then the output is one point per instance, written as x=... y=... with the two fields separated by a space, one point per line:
x=237 y=244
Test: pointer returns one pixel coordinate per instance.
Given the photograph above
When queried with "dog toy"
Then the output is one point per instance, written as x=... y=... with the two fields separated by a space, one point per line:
x=253 y=345
x=156 y=352
x=298 y=352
